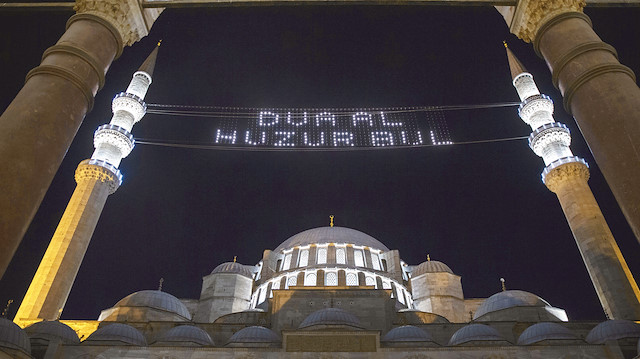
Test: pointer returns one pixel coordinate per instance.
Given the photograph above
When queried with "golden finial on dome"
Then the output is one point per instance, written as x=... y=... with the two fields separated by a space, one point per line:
x=6 y=308
x=331 y=218
x=159 y=42
x=505 y=44
x=504 y=287
x=235 y=258
x=428 y=258
x=160 y=284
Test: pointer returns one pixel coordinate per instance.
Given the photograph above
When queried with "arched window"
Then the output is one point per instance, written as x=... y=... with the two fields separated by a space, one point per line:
x=386 y=284
x=263 y=295
x=358 y=258
x=369 y=281
x=331 y=278
x=292 y=281
x=352 y=279
x=322 y=255
x=276 y=284
x=399 y=295
x=341 y=256
x=287 y=262
x=375 y=261
x=310 y=279
x=304 y=258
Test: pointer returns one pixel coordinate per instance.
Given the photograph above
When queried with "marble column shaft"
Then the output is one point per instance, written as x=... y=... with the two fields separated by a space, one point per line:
x=40 y=123
x=611 y=277
x=603 y=97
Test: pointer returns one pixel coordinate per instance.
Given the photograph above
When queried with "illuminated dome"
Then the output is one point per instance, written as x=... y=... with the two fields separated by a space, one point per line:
x=186 y=334
x=52 y=330
x=331 y=235
x=407 y=333
x=474 y=332
x=520 y=306
x=116 y=332
x=330 y=316
x=544 y=331
x=613 y=330
x=153 y=299
x=430 y=267
x=233 y=268
x=254 y=334
x=13 y=337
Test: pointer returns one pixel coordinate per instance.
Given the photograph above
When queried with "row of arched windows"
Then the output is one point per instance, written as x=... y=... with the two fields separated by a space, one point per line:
x=302 y=260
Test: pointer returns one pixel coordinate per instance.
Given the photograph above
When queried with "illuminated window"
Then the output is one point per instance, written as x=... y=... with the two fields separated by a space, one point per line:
x=292 y=281
x=341 y=256
x=263 y=295
x=287 y=262
x=310 y=279
x=275 y=284
x=358 y=257
x=375 y=261
x=304 y=258
x=386 y=285
x=369 y=281
x=322 y=255
x=400 y=296
x=331 y=278
x=352 y=279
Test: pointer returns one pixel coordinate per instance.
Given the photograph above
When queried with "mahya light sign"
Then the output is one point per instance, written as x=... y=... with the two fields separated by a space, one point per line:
x=332 y=128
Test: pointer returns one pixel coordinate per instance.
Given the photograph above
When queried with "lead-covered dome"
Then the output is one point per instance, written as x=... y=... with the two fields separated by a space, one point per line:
x=233 y=268
x=613 y=330
x=52 y=330
x=544 y=331
x=147 y=305
x=475 y=332
x=407 y=333
x=254 y=334
x=13 y=337
x=118 y=333
x=430 y=267
x=187 y=334
x=331 y=317
x=518 y=305
x=331 y=235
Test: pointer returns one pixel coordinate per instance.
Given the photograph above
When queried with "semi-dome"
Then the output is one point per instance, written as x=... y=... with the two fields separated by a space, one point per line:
x=155 y=299
x=331 y=235
x=254 y=334
x=474 y=332
x=544 y=331
x=233 y=268
x=186 y=334
x=13 y=337
x=330 y=316
x=52 y=330
x=117 y=332
x=613 y=330
x=509 y=299
x=430 y=267
x=407 y=333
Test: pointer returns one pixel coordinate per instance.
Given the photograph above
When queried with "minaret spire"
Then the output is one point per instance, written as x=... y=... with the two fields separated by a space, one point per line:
x=566 y=175
x=96 y=178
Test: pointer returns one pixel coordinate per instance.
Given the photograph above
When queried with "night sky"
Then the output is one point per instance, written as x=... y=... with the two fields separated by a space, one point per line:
x=480 y=208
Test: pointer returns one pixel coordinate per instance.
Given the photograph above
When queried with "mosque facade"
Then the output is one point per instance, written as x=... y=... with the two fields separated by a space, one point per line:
x=328 y=292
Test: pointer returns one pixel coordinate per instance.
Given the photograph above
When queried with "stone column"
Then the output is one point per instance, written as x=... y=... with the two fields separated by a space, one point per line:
x=614 y=283
x=54 y=278
x=38 y=126
x=598 y=91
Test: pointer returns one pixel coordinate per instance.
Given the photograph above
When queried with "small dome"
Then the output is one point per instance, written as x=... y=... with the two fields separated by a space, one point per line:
x=473 y=332
x=254 y=334
x=233 y=268
x=12 y=336
x=430 y=267
x=117 y=332
x=155 y=299
x=544 y=331
x=407 y=333
x=330 y=316
x=509 y=299
x=331 y=235
x=51 y=330
x=613 y=330
x=186 y=333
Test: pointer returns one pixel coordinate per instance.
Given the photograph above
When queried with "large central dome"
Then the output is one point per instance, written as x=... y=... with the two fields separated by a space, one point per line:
x=331 y=235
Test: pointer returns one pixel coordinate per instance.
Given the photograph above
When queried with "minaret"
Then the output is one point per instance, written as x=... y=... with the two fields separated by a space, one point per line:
x=96 y=178
x=566 y=175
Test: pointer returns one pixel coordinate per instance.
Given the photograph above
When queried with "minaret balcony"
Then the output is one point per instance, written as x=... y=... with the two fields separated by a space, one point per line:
x=115 y=136
x=549 y=134
x=533 y=105
x=559 y=162
x=130 y=103
x=106 y=165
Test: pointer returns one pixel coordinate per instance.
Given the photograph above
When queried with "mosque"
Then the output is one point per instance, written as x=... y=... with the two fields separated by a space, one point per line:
x=328 y=292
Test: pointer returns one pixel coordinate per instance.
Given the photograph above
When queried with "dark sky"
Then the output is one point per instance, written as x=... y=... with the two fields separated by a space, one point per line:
x=481 y=208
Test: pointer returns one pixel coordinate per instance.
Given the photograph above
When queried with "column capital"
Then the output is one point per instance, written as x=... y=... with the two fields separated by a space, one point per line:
x=526 y=18
x=93 y=170
x=566 y=173
x=128 y=17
